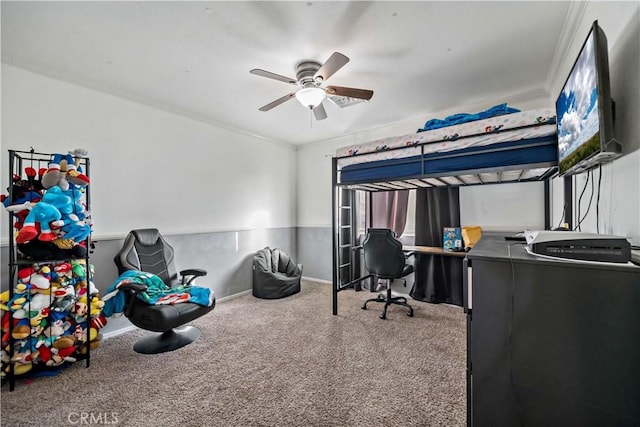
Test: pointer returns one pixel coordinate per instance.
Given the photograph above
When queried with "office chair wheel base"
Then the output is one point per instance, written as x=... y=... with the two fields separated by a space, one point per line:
x=410 y=314
x=364 y=306
x=383 y=316
x=167 y=341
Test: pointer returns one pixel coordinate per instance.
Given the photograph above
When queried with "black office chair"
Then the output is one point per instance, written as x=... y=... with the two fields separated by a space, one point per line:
x=146 y=250
x=384 y=258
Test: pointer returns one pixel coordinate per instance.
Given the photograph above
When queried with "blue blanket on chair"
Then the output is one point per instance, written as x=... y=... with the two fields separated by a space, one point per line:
x=157 y=293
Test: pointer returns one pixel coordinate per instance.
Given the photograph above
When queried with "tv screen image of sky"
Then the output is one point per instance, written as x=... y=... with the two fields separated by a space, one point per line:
x=577 y=105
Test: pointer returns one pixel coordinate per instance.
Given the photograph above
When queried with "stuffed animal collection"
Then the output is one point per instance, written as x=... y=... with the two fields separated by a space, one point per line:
x=54 y=313
x=51 y=217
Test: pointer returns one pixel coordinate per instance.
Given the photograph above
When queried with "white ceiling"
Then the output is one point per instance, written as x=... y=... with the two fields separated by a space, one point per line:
x=193 y=58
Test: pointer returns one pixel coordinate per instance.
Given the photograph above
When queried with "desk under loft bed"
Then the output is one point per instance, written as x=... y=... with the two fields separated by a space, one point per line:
x=517 y=147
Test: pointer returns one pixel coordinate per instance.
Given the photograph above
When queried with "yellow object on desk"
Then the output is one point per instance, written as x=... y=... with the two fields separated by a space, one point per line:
x=471 y=235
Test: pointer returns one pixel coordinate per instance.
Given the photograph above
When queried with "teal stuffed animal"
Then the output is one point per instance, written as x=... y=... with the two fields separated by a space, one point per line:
x=45 y=213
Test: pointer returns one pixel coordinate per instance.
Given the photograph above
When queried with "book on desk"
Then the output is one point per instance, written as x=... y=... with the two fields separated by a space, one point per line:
x=452 y=239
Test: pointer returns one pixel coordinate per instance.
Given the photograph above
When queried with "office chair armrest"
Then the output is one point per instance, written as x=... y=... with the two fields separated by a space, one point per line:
x=135 y=289
x=410 y=253
x=193 y=273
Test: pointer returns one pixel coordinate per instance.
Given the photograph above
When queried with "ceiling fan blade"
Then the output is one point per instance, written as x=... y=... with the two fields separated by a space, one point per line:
x=333 y=64
x=320 y=112
x=351 y=92
x=277 y=102
x=274 y=76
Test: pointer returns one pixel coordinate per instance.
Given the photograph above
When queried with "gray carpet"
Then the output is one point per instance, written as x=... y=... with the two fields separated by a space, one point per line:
x=286 y=362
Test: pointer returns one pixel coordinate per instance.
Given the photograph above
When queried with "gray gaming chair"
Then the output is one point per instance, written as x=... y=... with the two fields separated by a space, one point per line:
x=146 y=250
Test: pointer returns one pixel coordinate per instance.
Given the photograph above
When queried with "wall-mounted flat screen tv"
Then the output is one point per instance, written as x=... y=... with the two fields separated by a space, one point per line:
x=584 y=110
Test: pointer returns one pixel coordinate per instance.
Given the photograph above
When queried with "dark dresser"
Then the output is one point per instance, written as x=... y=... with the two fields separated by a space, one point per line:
x=550 y=343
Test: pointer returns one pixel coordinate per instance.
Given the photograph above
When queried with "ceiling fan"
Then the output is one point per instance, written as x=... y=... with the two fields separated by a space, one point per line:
x=309 y=77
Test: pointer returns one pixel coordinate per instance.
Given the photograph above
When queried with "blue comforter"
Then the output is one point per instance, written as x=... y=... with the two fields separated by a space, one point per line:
x=456 y=119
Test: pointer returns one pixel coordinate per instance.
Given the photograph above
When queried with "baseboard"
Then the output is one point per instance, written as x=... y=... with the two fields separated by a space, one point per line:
x=313 y=279
x=228 y=297
x=119 y=331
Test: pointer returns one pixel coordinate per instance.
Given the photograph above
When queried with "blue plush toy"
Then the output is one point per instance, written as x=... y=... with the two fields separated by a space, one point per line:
x=27 y=197
x=41 y=213
x=74 y=216
x=49 y=209
x=69 y=218
x=63 y=170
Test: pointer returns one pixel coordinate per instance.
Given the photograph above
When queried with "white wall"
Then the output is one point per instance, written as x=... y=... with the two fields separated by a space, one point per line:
x=149 y=167
x=513 y=207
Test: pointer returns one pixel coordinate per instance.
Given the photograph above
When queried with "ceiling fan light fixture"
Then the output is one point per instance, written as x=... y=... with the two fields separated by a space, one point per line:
x=311 y=97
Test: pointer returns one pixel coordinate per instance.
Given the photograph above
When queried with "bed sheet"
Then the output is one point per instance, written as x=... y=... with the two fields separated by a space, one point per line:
x=504 y=156
x=495 y=130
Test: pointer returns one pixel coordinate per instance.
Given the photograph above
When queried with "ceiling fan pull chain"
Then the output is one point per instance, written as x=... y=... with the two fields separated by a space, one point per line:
x=310 y=117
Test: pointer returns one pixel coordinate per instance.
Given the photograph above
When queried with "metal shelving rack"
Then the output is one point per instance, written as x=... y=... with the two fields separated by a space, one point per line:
x=18 y=160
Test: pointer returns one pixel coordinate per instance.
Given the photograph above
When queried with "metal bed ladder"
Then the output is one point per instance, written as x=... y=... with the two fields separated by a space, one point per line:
x=344 y=240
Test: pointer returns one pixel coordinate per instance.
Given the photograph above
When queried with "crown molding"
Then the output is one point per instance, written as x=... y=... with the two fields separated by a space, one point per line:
x=529 y=95
x=568 y=34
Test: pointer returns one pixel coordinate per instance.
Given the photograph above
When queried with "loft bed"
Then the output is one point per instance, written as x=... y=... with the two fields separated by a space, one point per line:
x=509 y=148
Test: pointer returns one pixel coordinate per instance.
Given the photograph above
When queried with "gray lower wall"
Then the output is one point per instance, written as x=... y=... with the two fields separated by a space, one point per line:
x=315 y=252
x=227 y=256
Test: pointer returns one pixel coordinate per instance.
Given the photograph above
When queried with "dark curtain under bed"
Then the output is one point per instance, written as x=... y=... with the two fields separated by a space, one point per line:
x=438 y=279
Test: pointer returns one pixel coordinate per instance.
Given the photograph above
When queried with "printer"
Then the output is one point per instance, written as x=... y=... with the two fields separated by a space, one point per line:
x=579 y=246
